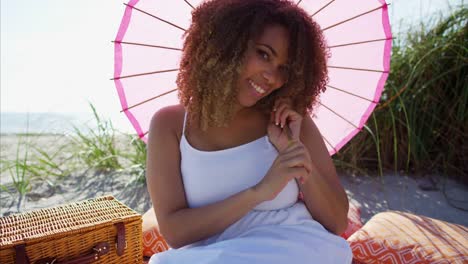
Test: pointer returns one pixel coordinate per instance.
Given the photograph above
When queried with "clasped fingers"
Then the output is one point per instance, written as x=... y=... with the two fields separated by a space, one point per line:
x=296 y=159
x=296 y=155
x=293 y=144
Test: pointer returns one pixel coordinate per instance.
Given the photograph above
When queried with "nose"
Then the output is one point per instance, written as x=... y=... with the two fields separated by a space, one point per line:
x=273 y=77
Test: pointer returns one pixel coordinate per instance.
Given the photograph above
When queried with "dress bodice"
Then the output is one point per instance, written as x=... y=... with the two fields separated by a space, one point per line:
x=212 y=176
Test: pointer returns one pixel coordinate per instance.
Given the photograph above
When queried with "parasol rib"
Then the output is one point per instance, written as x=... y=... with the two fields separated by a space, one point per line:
x=188 y=3
x=349 y=19
x=145 y=45
x=142 y=74
x=329 y=144
x=151 y=15
x=356 y=69
x=360 y=42
x=340 y=116
x=329 y=3
x=369 y=100
x=140 y=103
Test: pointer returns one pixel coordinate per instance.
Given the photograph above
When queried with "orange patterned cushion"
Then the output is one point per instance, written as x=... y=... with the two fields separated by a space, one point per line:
x=397 y=237
x=153 y=242
x=354 y=220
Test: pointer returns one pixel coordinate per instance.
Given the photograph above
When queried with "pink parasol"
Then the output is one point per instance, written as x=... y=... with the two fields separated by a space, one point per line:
x=148 y=50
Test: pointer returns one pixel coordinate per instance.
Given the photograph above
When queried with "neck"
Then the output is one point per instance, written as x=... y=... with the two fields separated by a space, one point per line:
x=242 y=111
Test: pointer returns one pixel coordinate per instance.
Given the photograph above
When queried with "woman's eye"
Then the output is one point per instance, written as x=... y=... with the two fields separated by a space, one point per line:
x=263 y=54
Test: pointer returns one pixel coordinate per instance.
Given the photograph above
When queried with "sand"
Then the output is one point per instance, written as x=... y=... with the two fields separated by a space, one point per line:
x=408 y=194
x=434 y=198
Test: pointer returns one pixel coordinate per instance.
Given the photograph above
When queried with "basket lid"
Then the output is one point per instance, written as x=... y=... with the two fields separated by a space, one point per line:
x=20 y=228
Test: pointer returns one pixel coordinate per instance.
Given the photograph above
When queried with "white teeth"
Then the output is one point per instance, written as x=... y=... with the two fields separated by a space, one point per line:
x=256 y=87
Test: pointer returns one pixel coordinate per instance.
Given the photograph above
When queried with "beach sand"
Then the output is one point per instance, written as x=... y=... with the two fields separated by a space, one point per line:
x=437 y=199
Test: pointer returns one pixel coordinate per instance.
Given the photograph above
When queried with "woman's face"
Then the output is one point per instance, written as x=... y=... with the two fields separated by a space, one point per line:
x=264 y=69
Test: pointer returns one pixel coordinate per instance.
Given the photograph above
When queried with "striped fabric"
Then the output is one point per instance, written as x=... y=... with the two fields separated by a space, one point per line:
x=397 y=237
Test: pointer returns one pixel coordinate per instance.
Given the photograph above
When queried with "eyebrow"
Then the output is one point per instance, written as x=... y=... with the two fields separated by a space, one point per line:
x=271 y=49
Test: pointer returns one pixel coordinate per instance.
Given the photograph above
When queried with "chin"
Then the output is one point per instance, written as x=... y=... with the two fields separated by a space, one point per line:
x=249 y=101
x=245 y=104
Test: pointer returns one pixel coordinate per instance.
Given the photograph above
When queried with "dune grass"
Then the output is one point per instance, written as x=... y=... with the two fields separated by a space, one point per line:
x=18 y=170
x=136 y=157
x=30 y=163
x=96 y=147
x=33 y=163
x=421 y=123
x=103 y=149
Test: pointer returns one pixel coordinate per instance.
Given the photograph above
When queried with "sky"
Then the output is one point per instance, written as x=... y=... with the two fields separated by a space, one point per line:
x=57 y=55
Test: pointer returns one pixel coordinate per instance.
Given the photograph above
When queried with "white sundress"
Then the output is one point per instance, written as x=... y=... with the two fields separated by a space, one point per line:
x=277 y=231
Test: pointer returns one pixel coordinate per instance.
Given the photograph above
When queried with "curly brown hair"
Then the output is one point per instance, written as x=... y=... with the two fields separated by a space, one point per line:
x=214 y=48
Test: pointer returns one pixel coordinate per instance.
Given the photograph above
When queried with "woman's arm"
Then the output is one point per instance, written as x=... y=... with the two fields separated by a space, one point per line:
x=324 y=195
x=179 y=224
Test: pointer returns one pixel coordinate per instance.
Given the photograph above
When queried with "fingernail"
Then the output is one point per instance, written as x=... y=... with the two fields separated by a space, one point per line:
x=282 y=126
x=277 y=123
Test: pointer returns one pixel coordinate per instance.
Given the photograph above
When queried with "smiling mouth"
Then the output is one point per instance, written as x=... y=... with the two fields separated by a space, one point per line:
x=256 y=87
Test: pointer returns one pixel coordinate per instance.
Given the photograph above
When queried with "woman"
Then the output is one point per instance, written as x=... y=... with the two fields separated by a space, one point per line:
x=225 y=167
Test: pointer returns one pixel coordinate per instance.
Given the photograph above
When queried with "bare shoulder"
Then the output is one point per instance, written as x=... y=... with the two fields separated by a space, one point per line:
x=168 y=119
x=309 y=126
x=311 y=136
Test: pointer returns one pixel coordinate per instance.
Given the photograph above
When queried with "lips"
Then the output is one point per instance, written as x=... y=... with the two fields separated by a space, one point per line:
x=258 y=88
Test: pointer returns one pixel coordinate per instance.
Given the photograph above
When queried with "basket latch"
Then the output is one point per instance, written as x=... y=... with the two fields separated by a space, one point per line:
x=121 y=243
x=21 y=257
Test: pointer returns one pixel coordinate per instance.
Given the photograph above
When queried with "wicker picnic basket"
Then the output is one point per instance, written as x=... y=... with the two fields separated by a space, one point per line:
x=100 y=230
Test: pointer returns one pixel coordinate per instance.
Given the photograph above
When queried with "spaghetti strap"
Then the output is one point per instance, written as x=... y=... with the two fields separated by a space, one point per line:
x=185 y=120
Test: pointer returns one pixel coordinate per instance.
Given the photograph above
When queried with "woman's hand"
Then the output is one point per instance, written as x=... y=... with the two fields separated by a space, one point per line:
x=292 y=163
x=284 y=120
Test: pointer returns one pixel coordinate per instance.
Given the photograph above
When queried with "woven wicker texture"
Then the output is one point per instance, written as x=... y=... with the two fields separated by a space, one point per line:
x=72 y=230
